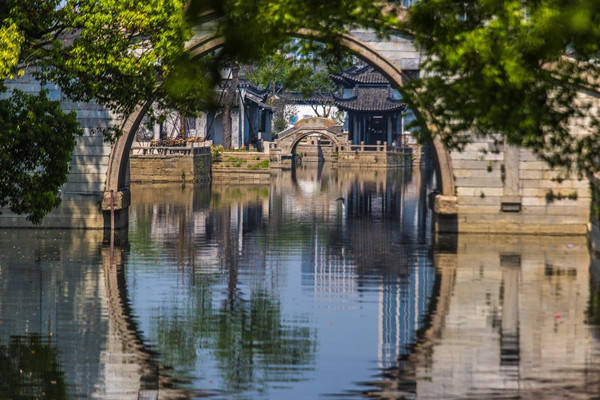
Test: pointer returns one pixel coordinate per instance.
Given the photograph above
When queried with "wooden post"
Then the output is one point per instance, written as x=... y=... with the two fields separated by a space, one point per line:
x=112 y=226
x=182 y=131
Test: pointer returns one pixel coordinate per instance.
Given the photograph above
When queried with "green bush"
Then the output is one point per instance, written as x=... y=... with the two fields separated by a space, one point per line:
x=216 y=152
x=279 y=125
x=264 y=164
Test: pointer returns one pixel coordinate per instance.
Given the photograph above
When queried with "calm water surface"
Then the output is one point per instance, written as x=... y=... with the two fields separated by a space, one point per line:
x=323 y=284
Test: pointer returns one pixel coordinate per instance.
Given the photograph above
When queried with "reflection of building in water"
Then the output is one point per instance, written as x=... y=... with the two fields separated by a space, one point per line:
x=367 y=244
x=331 y=271
x=403 y=303
x=183 y=219
x=46 y=289
x=515 y=324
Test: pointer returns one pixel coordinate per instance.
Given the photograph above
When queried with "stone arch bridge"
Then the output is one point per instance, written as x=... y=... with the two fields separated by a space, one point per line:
x=284 y=147
x=486 y=188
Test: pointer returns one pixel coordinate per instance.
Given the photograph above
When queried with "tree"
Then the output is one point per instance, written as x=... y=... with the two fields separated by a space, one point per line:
x=229 y=100
x=36 y=141
x=514 y=68
x=115 y=52
x=288 y=70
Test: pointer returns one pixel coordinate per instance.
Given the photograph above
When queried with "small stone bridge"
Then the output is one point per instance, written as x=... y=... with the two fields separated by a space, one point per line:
x=490 y=187
x=283 y=148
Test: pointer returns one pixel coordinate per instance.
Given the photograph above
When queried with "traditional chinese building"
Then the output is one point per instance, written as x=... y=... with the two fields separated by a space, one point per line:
x=374 y=108
x=251 y=120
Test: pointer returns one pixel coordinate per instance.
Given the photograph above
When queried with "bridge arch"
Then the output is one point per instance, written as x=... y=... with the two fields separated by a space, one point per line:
x=117 y=173
x=289 y=139
x=305 y=134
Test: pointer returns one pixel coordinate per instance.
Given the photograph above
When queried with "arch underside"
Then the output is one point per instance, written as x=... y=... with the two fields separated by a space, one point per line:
x=117 y=176
x=302 y=135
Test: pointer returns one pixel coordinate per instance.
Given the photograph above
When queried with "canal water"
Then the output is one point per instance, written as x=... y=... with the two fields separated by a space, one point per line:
x=324 y=284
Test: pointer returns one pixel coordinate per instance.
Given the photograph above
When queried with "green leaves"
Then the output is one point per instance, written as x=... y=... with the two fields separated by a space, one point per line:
x=11 y=40
x=122 y=50
x=36 y=142
x=502 y=67
x=255 y=29
x=115 y=52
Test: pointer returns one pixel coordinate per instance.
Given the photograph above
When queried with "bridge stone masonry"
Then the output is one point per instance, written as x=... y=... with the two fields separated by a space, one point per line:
x=344 y=154
x=489 y=187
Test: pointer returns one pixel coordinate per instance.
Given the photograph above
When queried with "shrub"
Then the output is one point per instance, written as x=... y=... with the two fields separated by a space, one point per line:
x=216 y=152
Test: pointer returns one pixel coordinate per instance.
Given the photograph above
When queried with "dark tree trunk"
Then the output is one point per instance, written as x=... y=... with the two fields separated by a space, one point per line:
x=226 y=126
x=229 y=101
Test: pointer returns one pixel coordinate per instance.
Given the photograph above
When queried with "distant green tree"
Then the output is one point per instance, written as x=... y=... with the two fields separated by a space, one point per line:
x=288 y=71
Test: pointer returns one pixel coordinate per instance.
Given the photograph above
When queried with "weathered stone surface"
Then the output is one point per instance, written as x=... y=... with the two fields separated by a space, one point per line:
x=241 y=177
x=120 y=200
x=479 y=182
x=75 y=211
x=494 y=173
x=445 y=205
x=476 y=155
x=154 y=168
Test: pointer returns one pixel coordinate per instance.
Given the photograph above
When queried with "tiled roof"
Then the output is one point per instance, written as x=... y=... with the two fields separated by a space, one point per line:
x=370 y=99
x=360 y=73
x=316 y=98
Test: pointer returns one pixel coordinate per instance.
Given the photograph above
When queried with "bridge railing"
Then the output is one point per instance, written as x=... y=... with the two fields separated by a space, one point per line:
x=379 y=147
x=164 y=150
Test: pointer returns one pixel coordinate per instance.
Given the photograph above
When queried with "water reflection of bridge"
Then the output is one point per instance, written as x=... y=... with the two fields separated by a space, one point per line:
x=350 y=217
x=62 y=286
x=508 y=314
x=509 y=321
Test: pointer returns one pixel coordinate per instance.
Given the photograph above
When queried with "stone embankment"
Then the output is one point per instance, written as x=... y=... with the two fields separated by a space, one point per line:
x=503 y=189
x=374 y=156
x=170 y=164
x=241 y=167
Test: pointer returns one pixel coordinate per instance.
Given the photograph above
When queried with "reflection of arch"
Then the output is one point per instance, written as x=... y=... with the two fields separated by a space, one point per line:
x=116 y=178
x=397 y=382
x=125 y=341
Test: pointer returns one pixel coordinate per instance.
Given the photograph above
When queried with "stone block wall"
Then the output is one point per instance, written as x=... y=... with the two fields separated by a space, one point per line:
x=242 y=168
x=397 y=48
x=312 y=151
x=159 y=168
x=373 y=159
x=502 y=189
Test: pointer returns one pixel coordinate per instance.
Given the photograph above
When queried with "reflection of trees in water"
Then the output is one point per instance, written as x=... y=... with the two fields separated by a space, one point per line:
x=247 y=338
x=51 y=284
x=29 y=369
x=384 y=219
x=243 y=331
x=240 y=323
